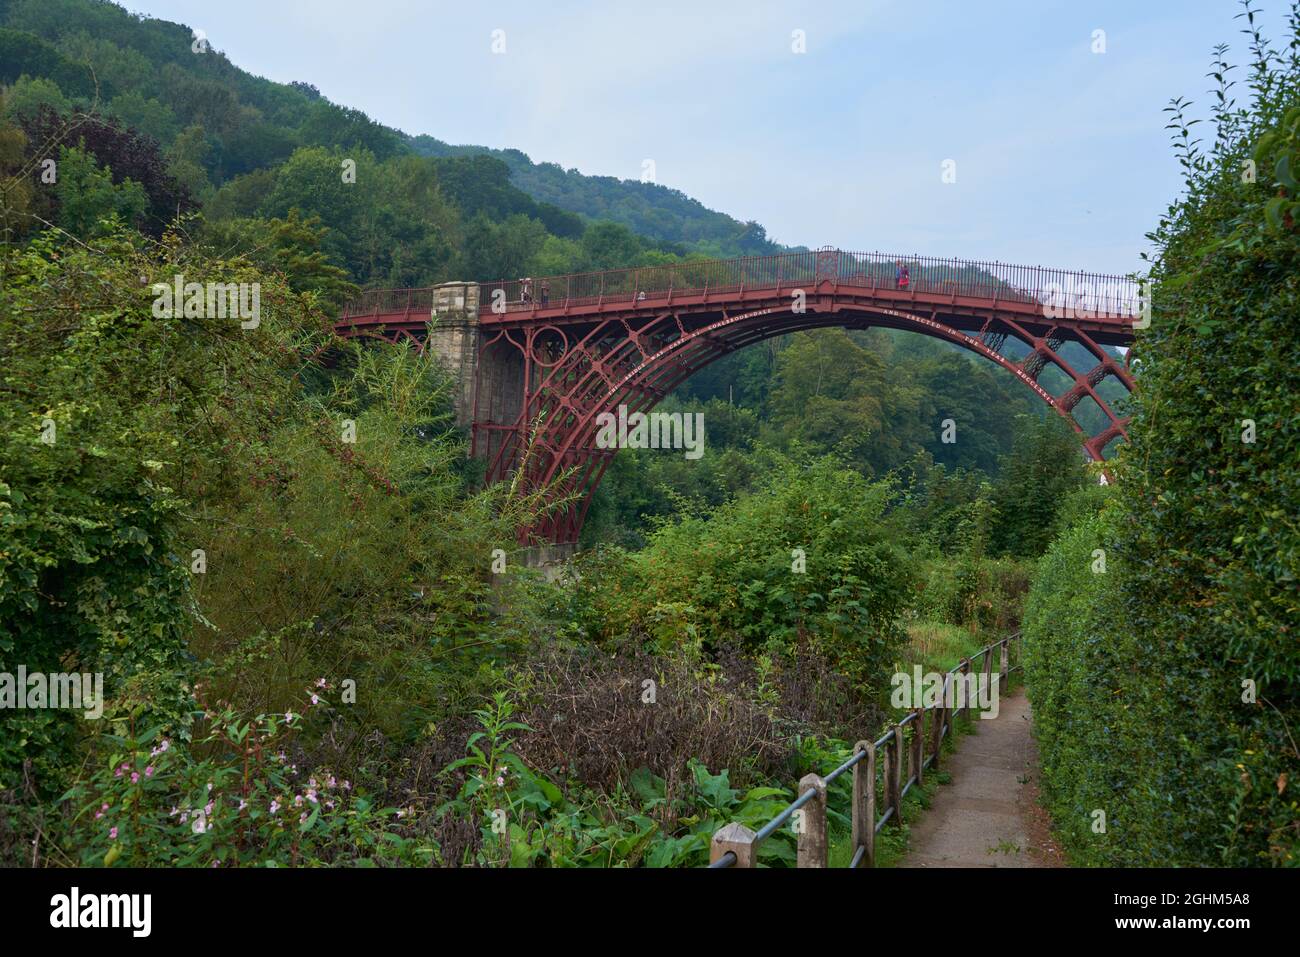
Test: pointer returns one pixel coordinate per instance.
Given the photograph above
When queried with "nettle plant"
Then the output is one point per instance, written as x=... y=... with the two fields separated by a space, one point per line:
x=232 y=797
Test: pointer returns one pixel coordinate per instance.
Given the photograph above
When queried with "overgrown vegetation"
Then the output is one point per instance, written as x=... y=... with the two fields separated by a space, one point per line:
x=311 y=626
x=270 y=542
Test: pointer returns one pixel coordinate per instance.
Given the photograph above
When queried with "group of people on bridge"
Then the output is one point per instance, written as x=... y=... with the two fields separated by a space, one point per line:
x=526 y=290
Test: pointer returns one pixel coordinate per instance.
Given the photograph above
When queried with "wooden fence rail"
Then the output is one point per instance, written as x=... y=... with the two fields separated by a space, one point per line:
x=907 y=742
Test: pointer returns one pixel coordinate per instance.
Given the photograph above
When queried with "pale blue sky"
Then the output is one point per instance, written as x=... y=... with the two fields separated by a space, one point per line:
x=1061 y=156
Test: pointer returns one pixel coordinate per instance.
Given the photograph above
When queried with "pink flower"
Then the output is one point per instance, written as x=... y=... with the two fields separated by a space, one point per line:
x=311 y=795
x=242 y=804
x=148 y=771
x=302 y=819
x=315 y=699
x=112 y=834
x=320 y=682
x=275 y=805
x=135 y=777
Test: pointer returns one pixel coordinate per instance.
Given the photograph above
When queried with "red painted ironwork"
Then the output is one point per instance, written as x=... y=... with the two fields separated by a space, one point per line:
x=630 y=336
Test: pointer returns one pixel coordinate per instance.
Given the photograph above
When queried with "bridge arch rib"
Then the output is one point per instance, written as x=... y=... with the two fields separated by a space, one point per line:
x=618 y=363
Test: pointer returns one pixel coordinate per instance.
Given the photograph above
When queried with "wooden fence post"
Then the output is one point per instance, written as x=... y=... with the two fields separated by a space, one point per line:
x=812 y=833
x=739 y=840
x=965 y=688
x=987 y=691
x=918 y=745
x=940 y=719
x=894 y=774
x=1004 y=665
x=864 y=803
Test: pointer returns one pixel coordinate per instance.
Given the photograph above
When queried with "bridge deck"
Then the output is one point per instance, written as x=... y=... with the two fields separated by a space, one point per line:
x=1102 y=304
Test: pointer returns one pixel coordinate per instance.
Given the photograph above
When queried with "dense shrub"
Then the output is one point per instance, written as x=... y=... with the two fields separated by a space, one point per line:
x=810 y=557
x=110 y=417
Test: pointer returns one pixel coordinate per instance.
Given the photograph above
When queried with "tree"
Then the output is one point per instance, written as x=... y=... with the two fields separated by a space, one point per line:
x=505 y=251
x=29 y=96
x=1044 y=467
x=185 y=160
x=831 y=392
x=16 y=191
x=149 y=117
x=127 y=155
x=24 y=53
x=608 y=246
x=291 y=247
x=311 y=181
x=88 y=199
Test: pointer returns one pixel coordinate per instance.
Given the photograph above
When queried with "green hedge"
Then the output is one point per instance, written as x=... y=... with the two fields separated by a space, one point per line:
x=1166 y=691
x=1085 y=677
x=1142 y=724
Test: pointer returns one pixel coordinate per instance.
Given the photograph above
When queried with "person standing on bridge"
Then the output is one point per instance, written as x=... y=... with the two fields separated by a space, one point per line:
x=546 y=291
x=902 y=277
x=526 y=289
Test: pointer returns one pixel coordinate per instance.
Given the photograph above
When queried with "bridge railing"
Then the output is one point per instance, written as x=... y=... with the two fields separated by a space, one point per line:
x=387 y=302
x=879 y=779
x=1081 y=294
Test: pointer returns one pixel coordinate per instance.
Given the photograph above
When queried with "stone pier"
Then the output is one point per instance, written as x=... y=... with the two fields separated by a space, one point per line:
x=495 y=374
x=492 y=376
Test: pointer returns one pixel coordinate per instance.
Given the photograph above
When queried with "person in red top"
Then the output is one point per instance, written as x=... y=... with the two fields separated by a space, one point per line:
x=902 y=277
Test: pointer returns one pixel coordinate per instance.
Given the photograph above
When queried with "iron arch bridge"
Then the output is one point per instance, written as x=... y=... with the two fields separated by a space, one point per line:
x=540 y=359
